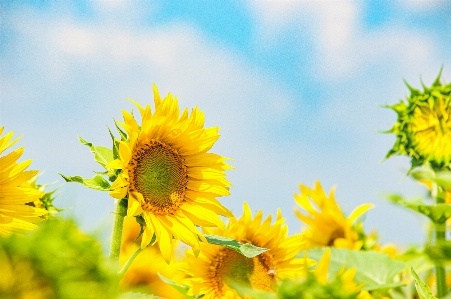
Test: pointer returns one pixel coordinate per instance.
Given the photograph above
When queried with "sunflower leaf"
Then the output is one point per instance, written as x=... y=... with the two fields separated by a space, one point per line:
x=97 y=182
x=248 y=250
x=183 y=289
x=374 y=269
x=102 y=154
x=424 y=292
x=438 y=213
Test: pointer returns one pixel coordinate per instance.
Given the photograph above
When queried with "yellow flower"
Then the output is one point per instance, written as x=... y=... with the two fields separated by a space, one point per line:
x=327 y=226
x=217 y=267
x=143 y=272
x=168 y=176
x=423 y=127
x=15 y=215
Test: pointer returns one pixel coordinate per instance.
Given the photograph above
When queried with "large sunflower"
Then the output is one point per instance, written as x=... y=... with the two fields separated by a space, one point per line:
x=167 y=174
x=15 y=215
x=327 y=225
x=217 y=266
x=423 y=127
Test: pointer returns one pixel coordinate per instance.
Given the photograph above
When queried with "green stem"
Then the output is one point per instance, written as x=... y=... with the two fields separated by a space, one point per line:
x=129 y=262
x=115 y=249
x=440 y=236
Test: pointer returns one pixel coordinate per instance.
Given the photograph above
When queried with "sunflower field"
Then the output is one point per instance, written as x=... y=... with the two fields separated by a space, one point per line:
x=174 y=237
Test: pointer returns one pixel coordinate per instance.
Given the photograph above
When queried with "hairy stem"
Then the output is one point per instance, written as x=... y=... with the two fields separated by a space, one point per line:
x=440 y=236
x=115 y=249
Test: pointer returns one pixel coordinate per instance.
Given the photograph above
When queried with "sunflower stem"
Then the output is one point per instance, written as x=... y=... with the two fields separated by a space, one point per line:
x=440 y=236
x=129 y=262
x=115 y=249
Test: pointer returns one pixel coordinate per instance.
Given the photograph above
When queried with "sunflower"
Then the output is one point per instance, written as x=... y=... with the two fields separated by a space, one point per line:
x=217 y=267
x=423 y=127
x=327 y=225
x=167 y=174
x=143 y=272
x=15 y=215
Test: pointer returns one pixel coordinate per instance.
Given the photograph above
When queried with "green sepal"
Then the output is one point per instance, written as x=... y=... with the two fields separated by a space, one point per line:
x=437 y=213
x=424 y=292
x=97 y=182
x=121 y=132
x=183 y=289
x=376 y=270
x=413 y=91
x=102 y=154
x=115 y=144
x=248 y=250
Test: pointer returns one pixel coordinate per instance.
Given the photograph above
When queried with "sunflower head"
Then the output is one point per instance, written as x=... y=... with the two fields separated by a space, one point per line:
x=218 y=269
x=16 y=197
x=326 y=223
x=423 y=127
x=164 y=169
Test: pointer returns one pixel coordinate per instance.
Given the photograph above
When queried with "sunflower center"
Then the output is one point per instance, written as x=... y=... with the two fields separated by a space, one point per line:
x=431 y=126
x=158 y=172
x=230 y=268
x=337 y=233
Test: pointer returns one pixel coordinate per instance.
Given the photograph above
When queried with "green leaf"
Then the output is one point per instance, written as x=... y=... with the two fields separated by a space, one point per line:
x=248 y=250
x=97 y=182
x=376 y=270
x=102 y=154
x=183 y=289
x=424 y=292
x=442 y=178
x=438 y=213
x=440 y=252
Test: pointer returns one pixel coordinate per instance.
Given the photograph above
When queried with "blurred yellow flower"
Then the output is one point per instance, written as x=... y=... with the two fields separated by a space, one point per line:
x=326 y=223
x=218 y=267
x=15 y=215
x=168 y=176
x=143 y=272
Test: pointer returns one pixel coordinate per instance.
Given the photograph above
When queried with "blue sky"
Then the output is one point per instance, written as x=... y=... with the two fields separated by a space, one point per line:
x=293 y=85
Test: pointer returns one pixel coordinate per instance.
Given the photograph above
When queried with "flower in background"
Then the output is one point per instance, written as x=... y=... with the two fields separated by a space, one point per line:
x=218 y=268
x=15 y=214
x=326 y=223
x=143 y=272
x=423 y=127
x=318 y=283
x=168 y=176
x=54 y=261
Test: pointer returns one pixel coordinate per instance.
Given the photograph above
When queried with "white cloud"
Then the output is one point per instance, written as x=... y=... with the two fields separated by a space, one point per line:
x=343 y=47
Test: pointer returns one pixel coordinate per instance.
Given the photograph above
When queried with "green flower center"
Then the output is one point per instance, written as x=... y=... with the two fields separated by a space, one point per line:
x=157 y=171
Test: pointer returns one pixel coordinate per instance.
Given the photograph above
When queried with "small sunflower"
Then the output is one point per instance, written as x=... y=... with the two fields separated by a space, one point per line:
x=15 y=215
x=423 y=127
x=217 y=267
x=168 y=175
x=327 y=225
x=143 y=272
